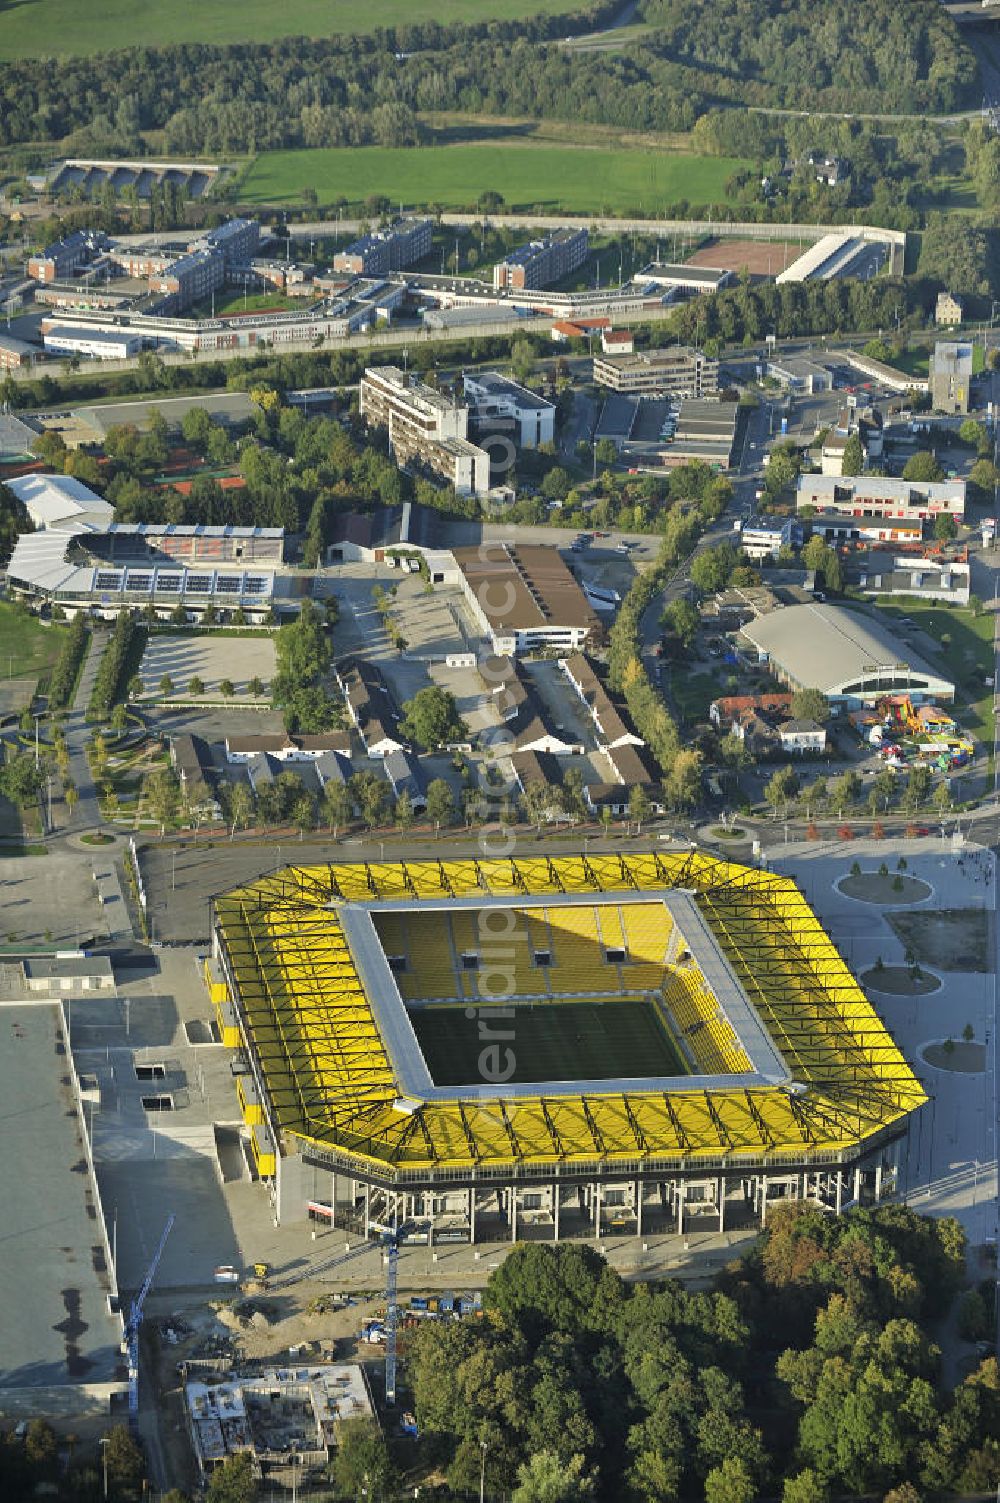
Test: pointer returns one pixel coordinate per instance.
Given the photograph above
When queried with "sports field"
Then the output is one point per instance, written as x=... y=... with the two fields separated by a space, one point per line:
x=571 y=179
x=587 y=1040
x=65 y=27
x=26 y=646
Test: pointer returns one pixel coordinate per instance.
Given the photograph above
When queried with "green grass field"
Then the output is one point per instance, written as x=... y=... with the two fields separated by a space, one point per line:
x=65 y=27
x=552 y=1041
x=964 y=648
x=26 y=647
x=530 y=178
x=259 y=302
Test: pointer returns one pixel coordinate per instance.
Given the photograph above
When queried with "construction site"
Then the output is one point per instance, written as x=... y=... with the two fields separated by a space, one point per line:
x=480 y=1051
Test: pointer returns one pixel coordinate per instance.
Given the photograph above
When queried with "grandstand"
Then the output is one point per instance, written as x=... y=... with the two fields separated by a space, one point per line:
x=566 y=1043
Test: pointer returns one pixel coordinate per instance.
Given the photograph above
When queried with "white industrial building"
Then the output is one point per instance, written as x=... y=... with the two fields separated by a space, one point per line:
x=523 y=597
x=853 y=658
x=681 y=277
x=95 y=344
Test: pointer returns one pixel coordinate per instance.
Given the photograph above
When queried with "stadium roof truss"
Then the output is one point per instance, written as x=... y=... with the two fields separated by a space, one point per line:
x=331 y=1041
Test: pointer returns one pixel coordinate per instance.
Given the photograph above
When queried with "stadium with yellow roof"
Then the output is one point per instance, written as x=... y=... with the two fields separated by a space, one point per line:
x=565 y=1046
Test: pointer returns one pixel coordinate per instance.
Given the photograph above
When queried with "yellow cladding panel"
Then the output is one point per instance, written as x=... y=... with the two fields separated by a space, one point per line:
x=330 y=1078
x=253 y=1112
x=263 y=1153
x=217 y=989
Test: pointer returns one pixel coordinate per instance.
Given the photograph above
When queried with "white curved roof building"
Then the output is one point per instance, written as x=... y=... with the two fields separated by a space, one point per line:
x=58 y=500
x=850 y=655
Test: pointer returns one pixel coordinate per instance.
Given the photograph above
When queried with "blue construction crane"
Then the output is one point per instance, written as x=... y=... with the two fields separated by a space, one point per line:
x=390 y=1239
x=134 y=1322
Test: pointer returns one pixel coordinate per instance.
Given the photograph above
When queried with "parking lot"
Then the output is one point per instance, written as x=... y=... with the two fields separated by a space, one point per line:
x=210 y=658
x=435 y=624
x=471 y=695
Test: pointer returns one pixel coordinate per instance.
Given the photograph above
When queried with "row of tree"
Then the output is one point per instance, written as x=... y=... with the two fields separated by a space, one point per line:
x=118 y=661
x=62 y=680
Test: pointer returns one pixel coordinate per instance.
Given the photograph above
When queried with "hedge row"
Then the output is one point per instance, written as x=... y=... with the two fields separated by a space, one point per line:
x=62 y=680
x=113 y=675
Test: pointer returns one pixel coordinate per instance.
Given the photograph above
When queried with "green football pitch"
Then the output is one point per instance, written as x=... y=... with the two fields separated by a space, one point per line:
x=585 y=1040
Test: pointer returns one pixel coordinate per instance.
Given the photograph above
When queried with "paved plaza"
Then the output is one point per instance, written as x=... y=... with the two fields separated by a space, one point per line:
x=950 y=1164
x=211 y=658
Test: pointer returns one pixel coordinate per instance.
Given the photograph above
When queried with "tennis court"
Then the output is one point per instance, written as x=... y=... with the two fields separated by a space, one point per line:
x=608 y=1039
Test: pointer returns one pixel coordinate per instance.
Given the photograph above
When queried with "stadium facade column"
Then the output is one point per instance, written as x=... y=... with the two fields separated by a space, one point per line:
x=762 y=1183
x=680 y=1209
x=472 y=1213
x=556 y=1199
x=857 y=1183
x=597 y=1209
x=840 y=1191
x=513 y=1214
x=722 y=1202
x=638 y=1207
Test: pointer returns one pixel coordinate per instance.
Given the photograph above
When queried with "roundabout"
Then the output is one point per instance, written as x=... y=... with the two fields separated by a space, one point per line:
x=884 y=890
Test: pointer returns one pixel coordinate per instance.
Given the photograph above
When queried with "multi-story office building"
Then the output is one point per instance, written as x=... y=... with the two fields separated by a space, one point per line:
x=425 y=427
x=951 y=376
x=542 y=262
x=499 y=405
x=391 y=249
x=867 y=496
x=680 y=370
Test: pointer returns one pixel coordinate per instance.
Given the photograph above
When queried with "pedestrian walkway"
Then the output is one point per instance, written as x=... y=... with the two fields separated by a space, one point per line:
x=87 y=814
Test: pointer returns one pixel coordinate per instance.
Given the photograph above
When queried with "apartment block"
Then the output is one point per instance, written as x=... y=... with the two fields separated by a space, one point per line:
x=392 y=249
x=425 y=427
x=190 y=279
x=542 y=262
x=682 y=371
x=237 y=241
x=64 y=257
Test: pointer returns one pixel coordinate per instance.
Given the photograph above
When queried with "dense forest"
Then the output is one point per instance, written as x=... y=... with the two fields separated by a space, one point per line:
x=880 y=56
x=345 y=91
x=809 y=1370
x=750 y=311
